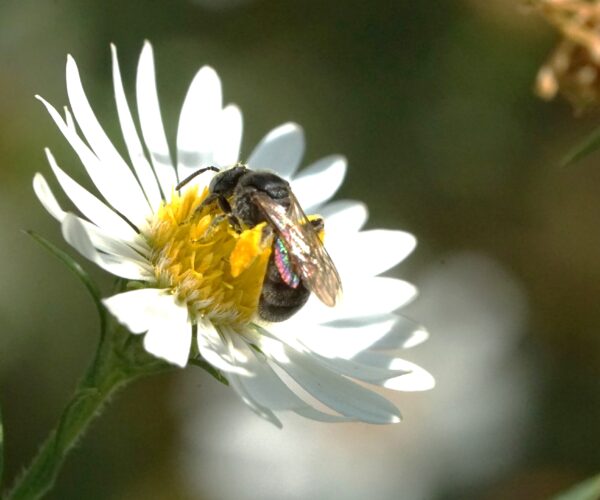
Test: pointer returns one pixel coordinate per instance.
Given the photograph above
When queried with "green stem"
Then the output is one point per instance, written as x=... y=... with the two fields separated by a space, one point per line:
x=110 y=370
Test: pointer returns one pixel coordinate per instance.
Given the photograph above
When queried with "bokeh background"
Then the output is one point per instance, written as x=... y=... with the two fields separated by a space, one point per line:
x=432 y=104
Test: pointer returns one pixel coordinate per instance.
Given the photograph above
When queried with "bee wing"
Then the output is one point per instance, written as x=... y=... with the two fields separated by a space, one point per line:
x=311 y=261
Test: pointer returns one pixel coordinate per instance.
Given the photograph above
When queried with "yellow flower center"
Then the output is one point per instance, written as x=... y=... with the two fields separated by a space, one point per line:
x=217 y=272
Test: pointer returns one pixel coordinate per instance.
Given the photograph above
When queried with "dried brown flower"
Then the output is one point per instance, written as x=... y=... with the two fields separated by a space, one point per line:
x=573 y=68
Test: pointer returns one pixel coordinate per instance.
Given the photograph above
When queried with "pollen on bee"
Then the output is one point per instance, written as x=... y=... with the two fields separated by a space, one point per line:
x=217 y=272
x=248 y=247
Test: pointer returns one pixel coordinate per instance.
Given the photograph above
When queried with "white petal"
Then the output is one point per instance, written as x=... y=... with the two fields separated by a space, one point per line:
x=214 y=348
x=280 y=150
x=106 y=243
x=372 y=252
x=319 y=182
x=378 y=375
x=76 y=235
x=151 y=121
x=343 y=340
x=417 y=380
x=69 y=120
x=247 y=397
x=198 y=123
x=122 y=177
x=363 y=297
x=139 y=309
x=268 y=390
x=91 y=206
x=132 y=141
x=103 y=175
x=171 y=338
x=228 y=137
x=392 y=373
x=249 y=387
x=373 y=296
x=101 y=239
x=44 y=194
x=157 y=312
x=343 y=217
x=406 y=334
x=339 y=393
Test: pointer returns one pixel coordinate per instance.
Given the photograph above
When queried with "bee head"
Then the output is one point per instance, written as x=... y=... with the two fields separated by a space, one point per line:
x=267 y=182
x=225 y=182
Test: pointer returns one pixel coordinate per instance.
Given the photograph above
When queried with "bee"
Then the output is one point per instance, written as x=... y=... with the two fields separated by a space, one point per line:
x=299 y=263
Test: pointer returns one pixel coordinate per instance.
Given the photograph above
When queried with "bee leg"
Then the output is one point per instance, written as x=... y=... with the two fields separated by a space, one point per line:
x=318 y=224
x=267 y=232
x=223 y=204
x=235 y=223
x=214 y=223
x=226 y=207
x=211 y=198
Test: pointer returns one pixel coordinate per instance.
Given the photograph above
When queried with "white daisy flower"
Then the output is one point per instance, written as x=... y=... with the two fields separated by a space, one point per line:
x=198 y=280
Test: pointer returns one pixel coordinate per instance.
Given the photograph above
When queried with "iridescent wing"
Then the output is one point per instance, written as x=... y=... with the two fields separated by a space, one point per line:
x=284 y=264
x=308 y=255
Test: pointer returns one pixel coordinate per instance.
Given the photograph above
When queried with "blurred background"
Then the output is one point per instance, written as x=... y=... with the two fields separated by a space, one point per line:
x=432 y=104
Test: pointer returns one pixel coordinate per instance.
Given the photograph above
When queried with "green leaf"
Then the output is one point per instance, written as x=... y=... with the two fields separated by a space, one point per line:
x=590 y=144
x=587 y=490
x=1 y=449
x=210 y=369
x=76 y=269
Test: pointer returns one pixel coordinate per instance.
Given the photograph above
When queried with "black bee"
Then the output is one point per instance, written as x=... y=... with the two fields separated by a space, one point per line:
x=299 y=263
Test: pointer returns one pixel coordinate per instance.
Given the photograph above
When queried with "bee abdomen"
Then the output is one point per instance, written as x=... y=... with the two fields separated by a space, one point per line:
x=279 y=301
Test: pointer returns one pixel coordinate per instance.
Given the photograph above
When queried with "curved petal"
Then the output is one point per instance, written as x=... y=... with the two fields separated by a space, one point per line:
x=406 y=334
x=343 y=217
x=139 y=309
x=337 y=392
x=151 y=121
x=75 y=234
x=121 y=175
x=228 y=137
x=248 y=398
x=377 y=375
x=198 y=123
x=103 y=175
x=155 y=311
x=171 y=338
x=417 y=379
x=101 y=239
x=132 y=141
x=280 y=150
x=47 y=199
x=319 y=182
x=344 y=340
x=90 y=206
x=364 y=297
x=370 y=253
x=214 y=349
x=266 y=389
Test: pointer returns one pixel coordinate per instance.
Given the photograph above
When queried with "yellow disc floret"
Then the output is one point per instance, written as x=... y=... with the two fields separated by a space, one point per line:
x=196 y=252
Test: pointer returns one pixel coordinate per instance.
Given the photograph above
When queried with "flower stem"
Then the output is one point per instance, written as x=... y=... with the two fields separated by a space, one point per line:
x=111 y=369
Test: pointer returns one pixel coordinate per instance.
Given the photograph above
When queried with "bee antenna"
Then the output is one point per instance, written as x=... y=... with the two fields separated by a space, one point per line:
x=195 y=174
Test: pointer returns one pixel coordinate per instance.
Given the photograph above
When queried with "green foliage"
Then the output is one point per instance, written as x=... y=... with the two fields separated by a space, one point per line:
x=587 y=490
x=590 y=144
x=78 y=271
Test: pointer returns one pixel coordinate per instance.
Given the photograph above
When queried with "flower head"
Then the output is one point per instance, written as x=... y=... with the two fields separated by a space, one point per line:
x=197 y=278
